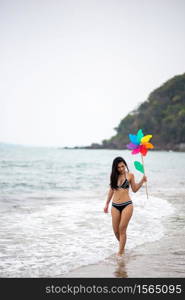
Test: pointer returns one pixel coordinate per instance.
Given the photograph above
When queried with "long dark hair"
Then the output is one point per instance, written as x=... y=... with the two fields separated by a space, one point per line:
x=114 y=174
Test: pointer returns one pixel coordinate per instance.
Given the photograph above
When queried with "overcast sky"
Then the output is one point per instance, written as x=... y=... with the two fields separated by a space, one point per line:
x=70 y=70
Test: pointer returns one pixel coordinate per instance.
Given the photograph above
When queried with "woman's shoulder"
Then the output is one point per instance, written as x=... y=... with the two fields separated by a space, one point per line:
x=130 y=175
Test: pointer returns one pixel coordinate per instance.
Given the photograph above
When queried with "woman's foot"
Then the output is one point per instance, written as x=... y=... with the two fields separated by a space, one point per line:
x=120 y=253
x=119 y=258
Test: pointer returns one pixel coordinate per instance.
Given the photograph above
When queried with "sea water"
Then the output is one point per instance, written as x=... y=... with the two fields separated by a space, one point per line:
x=52 y=200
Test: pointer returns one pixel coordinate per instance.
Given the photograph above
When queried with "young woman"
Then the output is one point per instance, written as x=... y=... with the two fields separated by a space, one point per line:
x=122 y=206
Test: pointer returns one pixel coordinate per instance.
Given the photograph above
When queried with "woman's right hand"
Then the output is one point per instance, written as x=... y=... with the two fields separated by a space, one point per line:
x=106 y=209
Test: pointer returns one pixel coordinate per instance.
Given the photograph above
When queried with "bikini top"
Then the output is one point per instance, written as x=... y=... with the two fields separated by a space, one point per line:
x=124 y=185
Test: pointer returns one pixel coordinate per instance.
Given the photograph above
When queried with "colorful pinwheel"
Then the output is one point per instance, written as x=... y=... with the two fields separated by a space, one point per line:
x=140 y=144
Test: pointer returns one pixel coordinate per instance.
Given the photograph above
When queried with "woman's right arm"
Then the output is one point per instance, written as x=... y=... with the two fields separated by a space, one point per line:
x=136 y=186
x=109 y=197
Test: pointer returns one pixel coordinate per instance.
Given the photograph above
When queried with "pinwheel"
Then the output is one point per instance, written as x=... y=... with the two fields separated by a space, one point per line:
x=140 y=144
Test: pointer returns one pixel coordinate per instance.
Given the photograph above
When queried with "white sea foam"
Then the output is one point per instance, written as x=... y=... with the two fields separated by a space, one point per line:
x=51 y=210
x=59 y=238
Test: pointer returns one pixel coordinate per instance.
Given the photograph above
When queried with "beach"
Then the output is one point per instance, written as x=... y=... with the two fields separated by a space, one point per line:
x=52 y=222
x=154 y=261
x=162 y=258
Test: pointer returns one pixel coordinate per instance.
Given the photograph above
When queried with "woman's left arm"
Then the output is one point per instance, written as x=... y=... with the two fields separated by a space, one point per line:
x=136 y=186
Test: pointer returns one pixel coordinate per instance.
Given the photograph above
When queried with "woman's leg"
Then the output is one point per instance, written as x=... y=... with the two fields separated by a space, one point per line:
x=125 y=218
x=116 y=216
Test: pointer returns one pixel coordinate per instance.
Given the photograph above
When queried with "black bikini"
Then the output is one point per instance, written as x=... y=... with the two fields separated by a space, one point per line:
x=124 y=185
x=121 y=206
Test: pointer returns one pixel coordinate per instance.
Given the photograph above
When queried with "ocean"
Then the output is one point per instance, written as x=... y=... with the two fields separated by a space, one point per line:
x=51 y=208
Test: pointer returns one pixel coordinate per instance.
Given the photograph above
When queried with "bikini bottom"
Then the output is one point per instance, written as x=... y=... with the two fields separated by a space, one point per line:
x=121 y=206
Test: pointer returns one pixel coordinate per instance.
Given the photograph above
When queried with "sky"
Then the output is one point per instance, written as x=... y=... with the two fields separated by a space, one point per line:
x=71 y=70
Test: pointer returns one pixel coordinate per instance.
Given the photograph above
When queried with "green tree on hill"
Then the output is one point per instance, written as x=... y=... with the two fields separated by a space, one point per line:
x=162 y=115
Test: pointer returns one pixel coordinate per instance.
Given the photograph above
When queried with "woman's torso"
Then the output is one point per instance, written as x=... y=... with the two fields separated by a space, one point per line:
x=122 y=194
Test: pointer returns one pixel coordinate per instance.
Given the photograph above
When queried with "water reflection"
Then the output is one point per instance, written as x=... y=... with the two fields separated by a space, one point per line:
x=120 y=270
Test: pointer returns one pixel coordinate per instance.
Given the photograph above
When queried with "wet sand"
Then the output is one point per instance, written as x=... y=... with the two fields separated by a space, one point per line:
x=136 y=266
x=163 y=258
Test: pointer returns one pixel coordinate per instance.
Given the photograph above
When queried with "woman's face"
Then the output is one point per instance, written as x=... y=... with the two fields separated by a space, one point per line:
x=121 y=168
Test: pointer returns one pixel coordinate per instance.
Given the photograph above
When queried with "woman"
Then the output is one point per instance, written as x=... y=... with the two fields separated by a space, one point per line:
x=122 y=206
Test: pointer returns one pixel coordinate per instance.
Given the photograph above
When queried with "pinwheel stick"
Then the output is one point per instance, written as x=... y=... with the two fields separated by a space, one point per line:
x=145 y=175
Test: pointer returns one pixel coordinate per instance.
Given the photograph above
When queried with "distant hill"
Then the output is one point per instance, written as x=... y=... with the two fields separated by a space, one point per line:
x=162 y=115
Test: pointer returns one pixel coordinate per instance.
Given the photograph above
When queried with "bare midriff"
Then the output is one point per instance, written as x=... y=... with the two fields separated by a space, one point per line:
x=121 y=195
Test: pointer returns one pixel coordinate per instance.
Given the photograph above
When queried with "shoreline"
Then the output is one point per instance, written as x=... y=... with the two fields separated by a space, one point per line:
x=161 y=258
x=137 y=263
x=93 y=148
